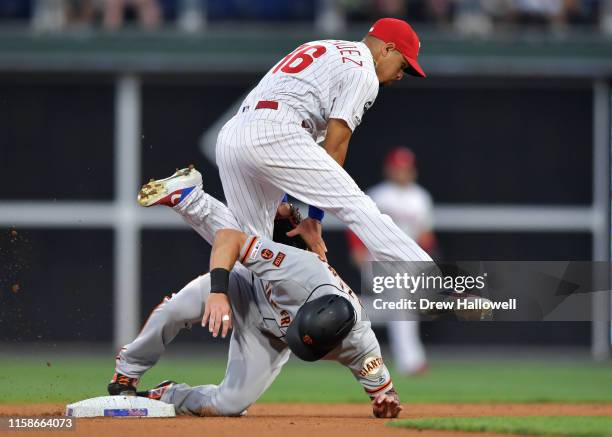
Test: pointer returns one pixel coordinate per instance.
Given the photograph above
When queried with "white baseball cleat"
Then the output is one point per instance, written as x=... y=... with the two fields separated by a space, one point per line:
x=172 y=190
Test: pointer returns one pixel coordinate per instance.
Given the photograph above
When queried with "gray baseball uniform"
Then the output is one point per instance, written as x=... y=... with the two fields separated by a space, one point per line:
x=266 y=290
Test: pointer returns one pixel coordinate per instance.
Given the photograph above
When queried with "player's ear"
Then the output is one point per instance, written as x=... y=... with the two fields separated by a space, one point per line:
x=388 y=48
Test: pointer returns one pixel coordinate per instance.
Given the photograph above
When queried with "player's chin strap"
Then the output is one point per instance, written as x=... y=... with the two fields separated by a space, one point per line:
x=219 y=280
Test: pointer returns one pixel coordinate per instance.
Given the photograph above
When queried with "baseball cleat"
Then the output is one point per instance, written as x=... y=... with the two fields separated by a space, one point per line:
x=479 y=310
x=172 y=190
x=158 y=391
x=122 y=385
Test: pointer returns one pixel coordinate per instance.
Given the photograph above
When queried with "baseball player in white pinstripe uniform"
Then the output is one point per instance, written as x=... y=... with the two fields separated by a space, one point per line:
x=291 y=135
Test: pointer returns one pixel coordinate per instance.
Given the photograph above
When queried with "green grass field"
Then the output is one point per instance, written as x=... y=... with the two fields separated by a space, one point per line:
x=559 y=426
x=32 y=380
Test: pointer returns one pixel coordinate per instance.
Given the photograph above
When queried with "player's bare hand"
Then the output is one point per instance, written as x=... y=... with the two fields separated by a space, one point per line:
x=311 y=231
x=386 y=405
x=217 y=314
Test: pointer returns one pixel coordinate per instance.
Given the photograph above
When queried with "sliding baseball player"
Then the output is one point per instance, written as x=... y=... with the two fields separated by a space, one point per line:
x=280 y=299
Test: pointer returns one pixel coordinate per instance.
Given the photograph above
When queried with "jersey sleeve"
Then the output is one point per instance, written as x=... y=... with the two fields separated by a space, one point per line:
x=355 y=93
x=360 y=352
x=276 y=262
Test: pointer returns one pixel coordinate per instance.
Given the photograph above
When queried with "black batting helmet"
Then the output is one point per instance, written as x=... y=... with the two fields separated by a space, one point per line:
x=319 y=326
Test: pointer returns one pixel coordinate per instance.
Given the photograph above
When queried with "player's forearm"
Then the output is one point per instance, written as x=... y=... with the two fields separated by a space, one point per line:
x=337 y=140
x=226 y=249
x=337 y=151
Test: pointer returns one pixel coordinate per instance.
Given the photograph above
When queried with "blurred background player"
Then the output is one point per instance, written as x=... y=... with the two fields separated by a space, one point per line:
x=410 y=207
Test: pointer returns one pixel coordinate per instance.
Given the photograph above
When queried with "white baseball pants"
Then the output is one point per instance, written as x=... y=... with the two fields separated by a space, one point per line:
x=265 y=153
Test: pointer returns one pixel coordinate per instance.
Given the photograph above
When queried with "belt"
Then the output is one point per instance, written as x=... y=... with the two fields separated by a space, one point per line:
x=271 y=104
x=266 y=104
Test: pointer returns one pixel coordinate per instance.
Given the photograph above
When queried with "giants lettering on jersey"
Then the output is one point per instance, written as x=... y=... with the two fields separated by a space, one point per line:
x=371 y=367
x=346 y=50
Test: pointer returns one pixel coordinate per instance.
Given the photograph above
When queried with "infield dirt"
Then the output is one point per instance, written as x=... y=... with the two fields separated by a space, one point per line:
x=297 y=420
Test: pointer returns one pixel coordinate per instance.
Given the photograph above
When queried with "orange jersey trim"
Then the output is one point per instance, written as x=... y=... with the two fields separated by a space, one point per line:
x=249 y=247
x=378 y=390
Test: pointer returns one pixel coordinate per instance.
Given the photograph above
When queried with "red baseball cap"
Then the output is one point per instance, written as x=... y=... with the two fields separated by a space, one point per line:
x=400 y=157
x=405 y=39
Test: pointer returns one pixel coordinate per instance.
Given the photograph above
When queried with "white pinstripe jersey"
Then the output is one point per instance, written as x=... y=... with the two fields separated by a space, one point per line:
x=322 y=80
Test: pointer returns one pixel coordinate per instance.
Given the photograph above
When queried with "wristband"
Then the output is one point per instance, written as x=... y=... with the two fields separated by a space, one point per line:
x=315 y=213
x=219 y=280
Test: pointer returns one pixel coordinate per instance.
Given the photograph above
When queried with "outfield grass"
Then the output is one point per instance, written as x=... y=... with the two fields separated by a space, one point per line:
x=67 y=379
x=537 y=425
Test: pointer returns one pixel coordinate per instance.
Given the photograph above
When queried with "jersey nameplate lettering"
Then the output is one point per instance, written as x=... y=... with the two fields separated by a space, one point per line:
x=347 y=50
